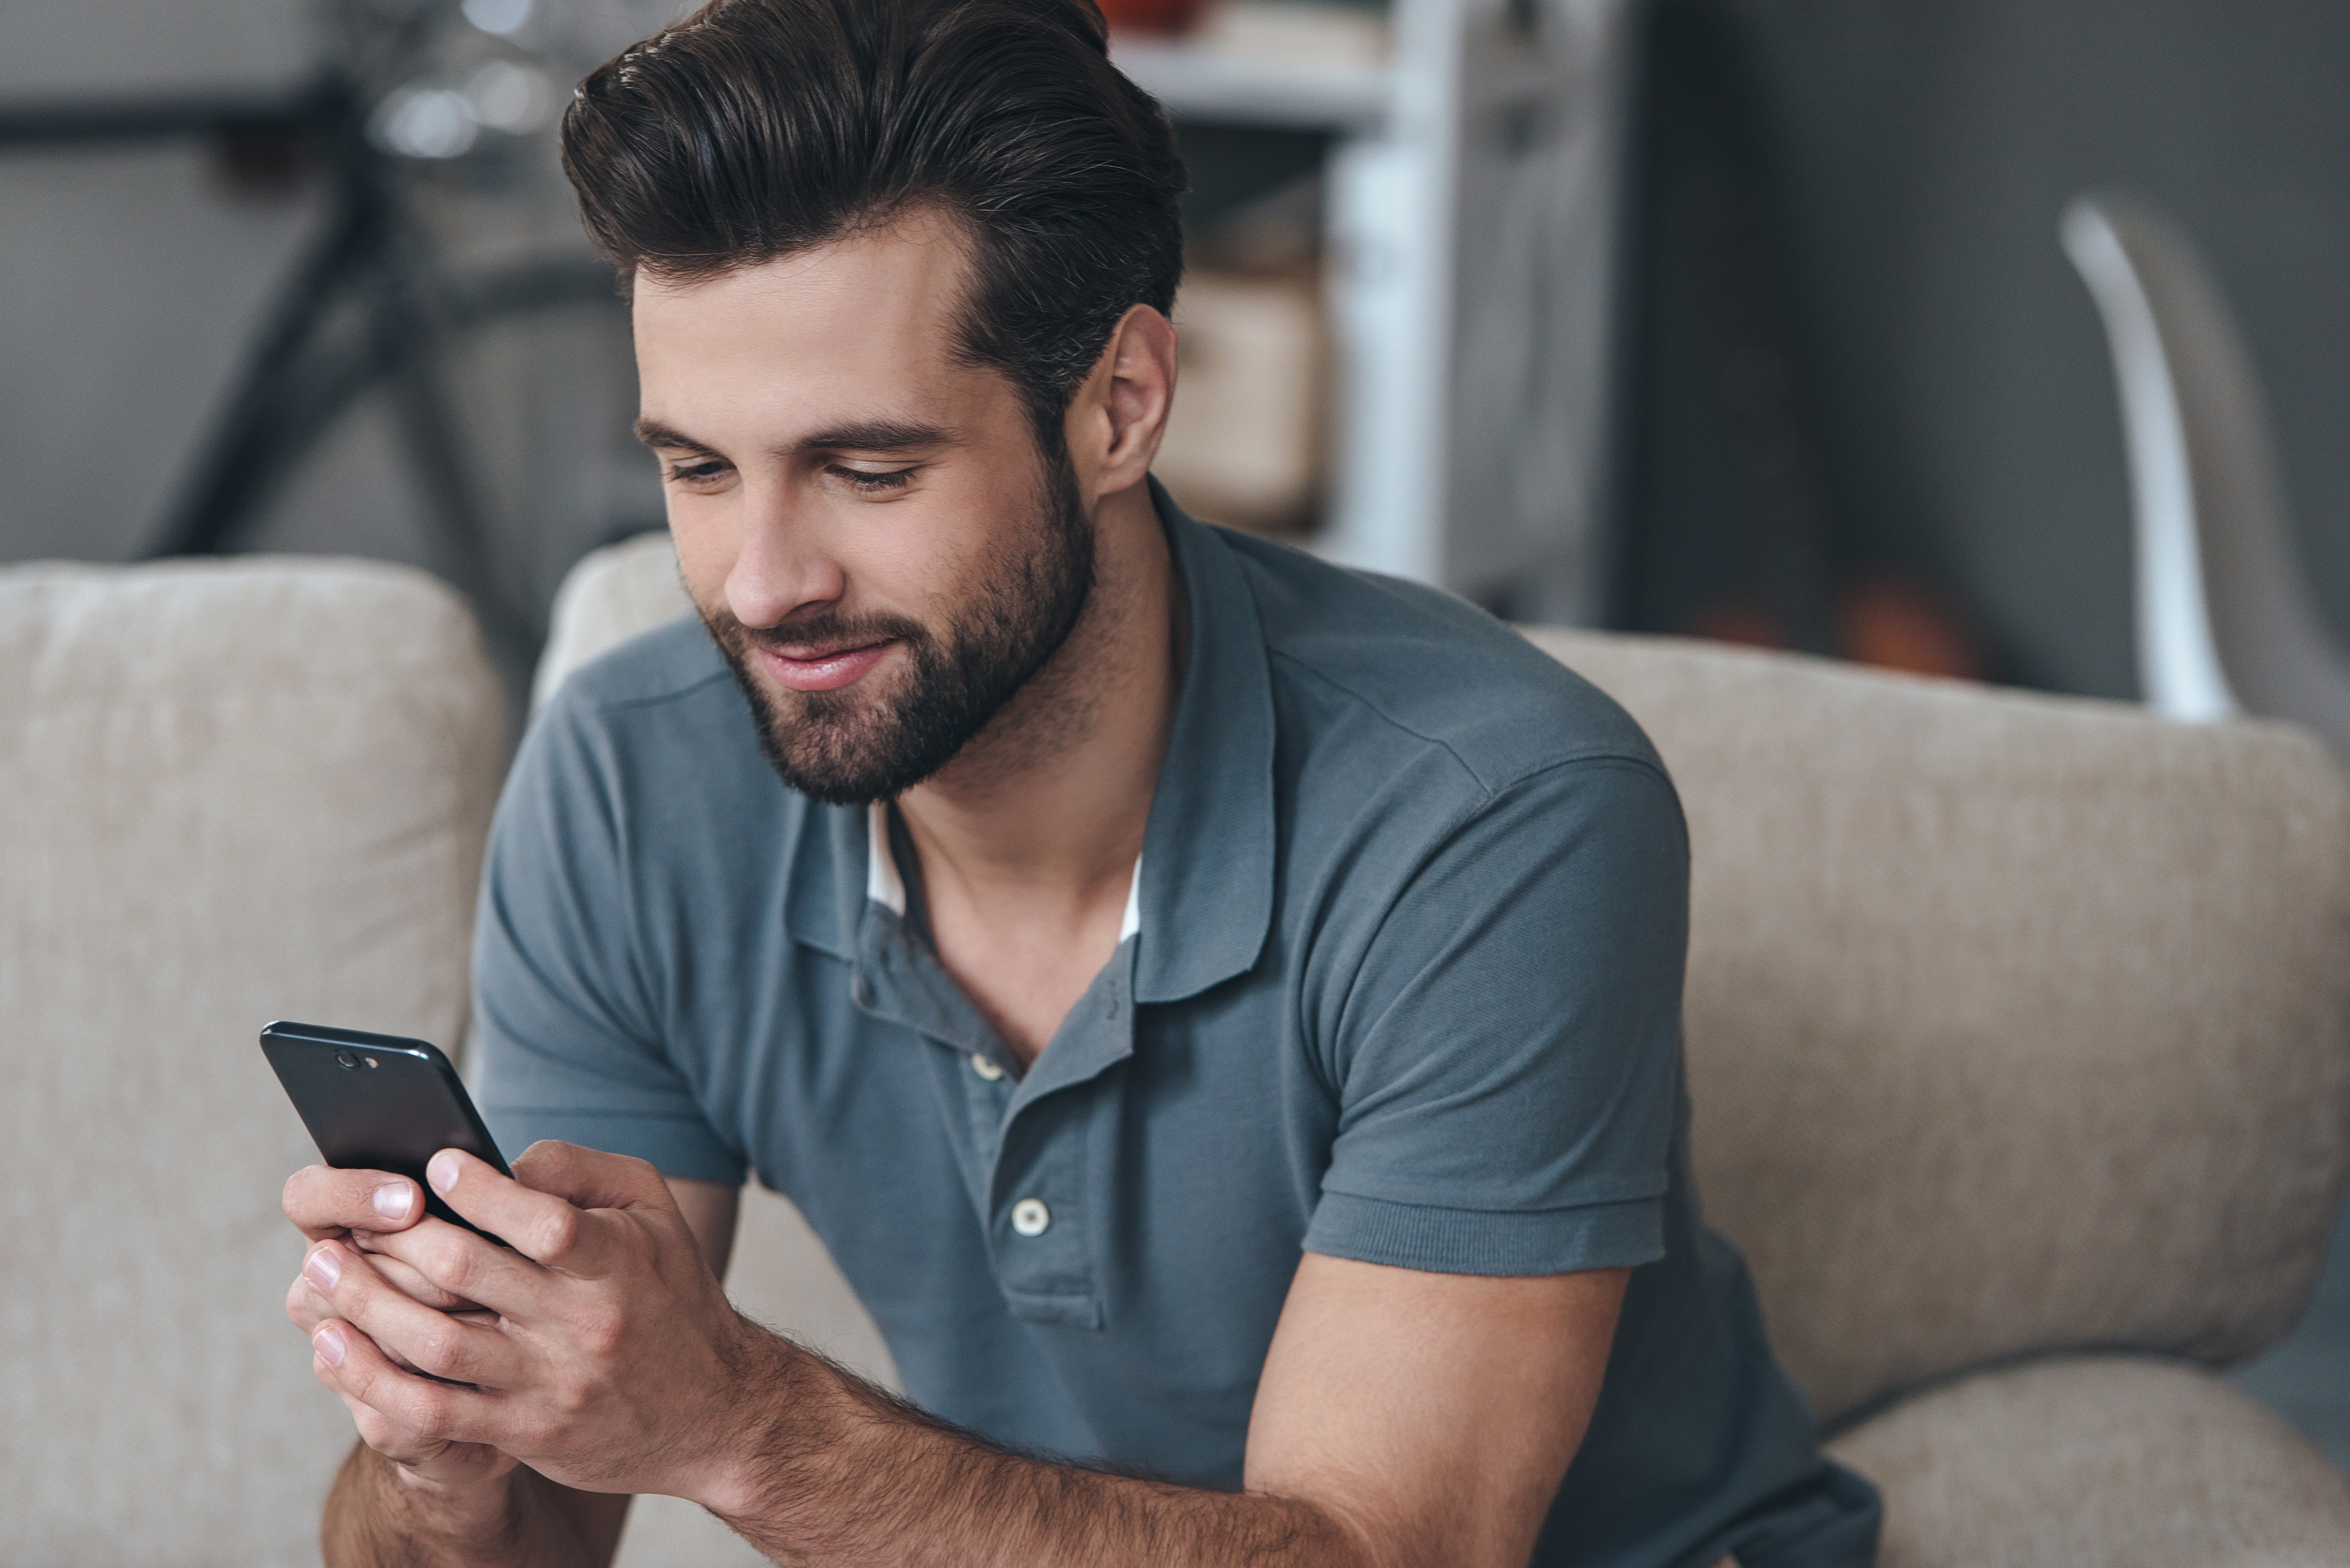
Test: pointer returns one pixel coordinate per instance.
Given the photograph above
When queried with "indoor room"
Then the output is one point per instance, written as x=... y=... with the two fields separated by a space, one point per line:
x=871 y=668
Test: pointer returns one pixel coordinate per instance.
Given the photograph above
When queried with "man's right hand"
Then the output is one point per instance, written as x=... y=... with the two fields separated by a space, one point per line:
x=352 y=1208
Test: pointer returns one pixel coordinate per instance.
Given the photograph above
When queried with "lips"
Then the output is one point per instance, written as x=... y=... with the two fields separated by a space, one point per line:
x=824 y=671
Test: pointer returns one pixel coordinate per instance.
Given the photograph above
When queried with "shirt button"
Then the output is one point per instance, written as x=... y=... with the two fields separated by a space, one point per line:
x=985 y=1067
x=1029 y=1217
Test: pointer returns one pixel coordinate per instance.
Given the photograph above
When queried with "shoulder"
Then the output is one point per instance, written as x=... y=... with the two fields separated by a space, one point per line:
x=1404 y=668
x=661 y=703
x=654 y=721
x=675 y=661
x=643 y=776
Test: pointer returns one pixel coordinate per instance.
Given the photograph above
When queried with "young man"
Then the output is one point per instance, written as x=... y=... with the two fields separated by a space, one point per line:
x=1221 y=1012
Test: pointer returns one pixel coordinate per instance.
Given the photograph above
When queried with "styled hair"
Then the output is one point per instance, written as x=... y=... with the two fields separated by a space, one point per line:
x=755 y=129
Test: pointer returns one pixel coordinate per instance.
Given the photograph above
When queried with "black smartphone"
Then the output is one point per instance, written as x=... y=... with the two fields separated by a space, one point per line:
x=377 y=1102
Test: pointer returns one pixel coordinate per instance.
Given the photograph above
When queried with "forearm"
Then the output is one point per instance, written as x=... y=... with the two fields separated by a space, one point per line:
x=846 y=1477
x=377 y=1518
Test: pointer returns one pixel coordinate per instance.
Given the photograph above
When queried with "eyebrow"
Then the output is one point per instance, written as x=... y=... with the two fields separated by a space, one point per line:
x=870 y=435
x=654 y=433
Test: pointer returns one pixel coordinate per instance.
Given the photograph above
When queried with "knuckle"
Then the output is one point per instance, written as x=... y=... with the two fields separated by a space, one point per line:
x=602 y=1334
x=449 y=1261
x=559 y=1232
x=570 y=1397
x=544 y=1157
x=442 y=1351
x=429 y=1420
x=298 y=1197
x=378 y=1431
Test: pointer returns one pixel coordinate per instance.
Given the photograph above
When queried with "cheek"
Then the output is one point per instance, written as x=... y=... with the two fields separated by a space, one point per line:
x=706 y=545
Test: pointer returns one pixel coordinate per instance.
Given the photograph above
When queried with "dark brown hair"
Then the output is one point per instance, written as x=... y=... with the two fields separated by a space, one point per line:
x=757 y=127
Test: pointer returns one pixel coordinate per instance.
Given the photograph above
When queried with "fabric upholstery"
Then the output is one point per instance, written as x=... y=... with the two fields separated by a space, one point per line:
x=2015 y=1023
x=611 y=595
x=235 y=792
x=2108 y=1462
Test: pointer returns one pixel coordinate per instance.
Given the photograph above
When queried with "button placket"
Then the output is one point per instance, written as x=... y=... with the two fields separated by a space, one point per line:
x=1031 y=1133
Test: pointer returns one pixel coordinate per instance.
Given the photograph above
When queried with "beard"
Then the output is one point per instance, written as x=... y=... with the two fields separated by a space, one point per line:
x=848 y=748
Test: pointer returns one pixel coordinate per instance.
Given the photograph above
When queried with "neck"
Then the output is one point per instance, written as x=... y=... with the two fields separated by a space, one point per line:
x=1050 y=801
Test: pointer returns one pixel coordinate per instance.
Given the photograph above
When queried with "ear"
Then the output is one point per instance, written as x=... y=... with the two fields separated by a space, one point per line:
x=1115 y=420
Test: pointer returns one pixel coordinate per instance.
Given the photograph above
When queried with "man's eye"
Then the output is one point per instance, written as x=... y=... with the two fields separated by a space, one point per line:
x=863 y=479
x=699 y=472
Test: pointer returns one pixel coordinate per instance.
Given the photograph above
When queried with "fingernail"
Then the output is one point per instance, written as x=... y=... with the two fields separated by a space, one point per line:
x=329 y=1341
x=442 y=1172
x=323 y=1271
x=393 y=1201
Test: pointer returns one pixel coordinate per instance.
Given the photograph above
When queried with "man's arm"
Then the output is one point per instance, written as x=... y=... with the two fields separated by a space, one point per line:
x=1403 y=1419
x=455 y=1507
x=1402 y=1416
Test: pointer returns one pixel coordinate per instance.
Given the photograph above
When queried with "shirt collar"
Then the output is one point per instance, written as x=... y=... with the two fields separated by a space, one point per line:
x=1201 y=894
x=885 y=887
x=1206 y=891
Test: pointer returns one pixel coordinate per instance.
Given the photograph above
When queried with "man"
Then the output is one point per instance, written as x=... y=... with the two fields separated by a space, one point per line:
x=1221 y=1012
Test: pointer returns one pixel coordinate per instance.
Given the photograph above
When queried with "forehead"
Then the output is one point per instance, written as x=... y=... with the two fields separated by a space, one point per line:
x=866 y=320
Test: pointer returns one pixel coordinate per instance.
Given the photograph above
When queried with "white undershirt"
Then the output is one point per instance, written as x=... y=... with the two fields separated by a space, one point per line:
x=884 y=887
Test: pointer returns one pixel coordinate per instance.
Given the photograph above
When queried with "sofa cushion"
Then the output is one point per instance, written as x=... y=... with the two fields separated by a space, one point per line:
x=2015 y=1023
x=2089 y=1462
x=233 y=792
x=608 y=597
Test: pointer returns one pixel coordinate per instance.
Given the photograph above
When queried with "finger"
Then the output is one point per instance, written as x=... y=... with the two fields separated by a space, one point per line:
x=304 y=1308
x=591 y=1179
x=419 y=1414
x=550 y=1228
x=308 y=1309
x=455 y=1264
x=323 y=1201
x=404 y=1277
x=349 y=1289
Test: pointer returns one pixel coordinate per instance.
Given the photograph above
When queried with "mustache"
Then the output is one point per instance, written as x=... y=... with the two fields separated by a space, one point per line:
x=823 y=631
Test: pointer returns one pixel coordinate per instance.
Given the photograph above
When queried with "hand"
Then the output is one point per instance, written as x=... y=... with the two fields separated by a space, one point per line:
x=358 y=1208
x=611 y=1361
x=361 y=1207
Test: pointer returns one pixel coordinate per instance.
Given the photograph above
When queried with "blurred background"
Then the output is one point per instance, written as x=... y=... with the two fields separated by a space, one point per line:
x=1738 y=318
x=1742 y=318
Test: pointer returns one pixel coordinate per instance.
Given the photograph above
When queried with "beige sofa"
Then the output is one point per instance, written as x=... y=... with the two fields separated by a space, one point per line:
x=228 y=793
x=2018 y=1029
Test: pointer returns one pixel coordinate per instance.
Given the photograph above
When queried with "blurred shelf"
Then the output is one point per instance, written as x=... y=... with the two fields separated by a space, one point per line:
x=1469 y=210
x=1197 y=82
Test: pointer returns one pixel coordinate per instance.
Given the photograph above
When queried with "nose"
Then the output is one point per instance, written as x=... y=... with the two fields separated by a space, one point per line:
x=783 y=566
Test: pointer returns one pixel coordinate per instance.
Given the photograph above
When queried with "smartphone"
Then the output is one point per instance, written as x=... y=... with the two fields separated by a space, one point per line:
x=377 y=1102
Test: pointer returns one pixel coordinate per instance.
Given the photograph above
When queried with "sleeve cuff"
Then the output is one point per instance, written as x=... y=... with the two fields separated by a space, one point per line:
x=677 y=1147
x=1485 y=1242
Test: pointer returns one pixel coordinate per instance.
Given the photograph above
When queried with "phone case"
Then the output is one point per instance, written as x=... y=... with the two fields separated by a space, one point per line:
x=378 y=1102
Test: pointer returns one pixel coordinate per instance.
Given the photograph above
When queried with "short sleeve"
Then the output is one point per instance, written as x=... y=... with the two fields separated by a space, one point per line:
x=566 y=1040
x=1508 y=1056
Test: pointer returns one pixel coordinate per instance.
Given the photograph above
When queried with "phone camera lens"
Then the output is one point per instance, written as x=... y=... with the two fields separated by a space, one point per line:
x=345 y=1059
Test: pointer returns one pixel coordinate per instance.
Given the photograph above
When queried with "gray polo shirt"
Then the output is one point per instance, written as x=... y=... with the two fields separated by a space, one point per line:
x=1401 y=983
